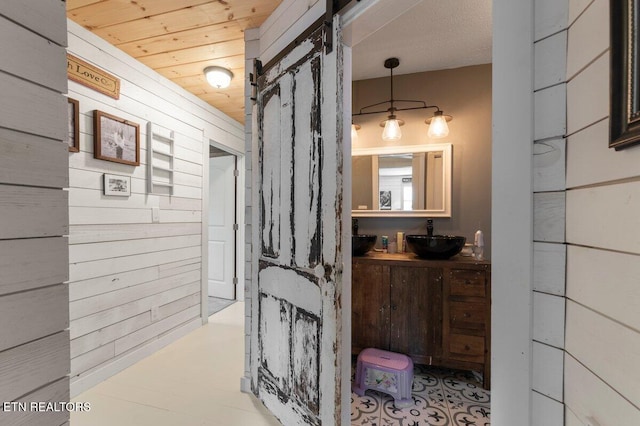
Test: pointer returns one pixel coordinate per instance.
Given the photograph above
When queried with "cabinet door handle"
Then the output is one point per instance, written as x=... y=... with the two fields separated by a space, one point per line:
x=394 y=307
x=466 y=315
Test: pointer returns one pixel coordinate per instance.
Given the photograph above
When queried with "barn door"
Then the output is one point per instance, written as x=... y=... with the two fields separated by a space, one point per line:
x=296 y=312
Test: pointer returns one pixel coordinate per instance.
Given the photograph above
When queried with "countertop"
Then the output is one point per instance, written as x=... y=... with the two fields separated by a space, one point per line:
x=412 y=258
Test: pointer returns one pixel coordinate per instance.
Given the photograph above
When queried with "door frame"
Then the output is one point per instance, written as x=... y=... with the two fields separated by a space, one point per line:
x=240 y=214
x=512 y=199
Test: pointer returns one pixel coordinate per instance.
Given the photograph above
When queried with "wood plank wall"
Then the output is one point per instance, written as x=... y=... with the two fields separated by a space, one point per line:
x=34 y=337
x=586 y=298
x=549 y=248
x=135 y=280
x=603 y=238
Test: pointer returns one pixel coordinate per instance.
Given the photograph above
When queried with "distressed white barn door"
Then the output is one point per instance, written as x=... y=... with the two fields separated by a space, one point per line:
x=296 y=313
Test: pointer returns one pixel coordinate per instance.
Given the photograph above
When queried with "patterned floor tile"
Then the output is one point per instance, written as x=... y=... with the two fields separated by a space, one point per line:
x=442 y=397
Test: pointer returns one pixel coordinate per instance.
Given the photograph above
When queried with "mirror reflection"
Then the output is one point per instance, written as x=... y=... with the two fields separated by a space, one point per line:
x=412 y=181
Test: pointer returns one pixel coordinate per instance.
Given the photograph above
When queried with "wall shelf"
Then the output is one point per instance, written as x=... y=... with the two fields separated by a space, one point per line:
x=160 y=164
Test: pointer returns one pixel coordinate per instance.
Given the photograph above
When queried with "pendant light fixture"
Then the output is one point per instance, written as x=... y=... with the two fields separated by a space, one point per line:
x=438 y=127
x=354 y=133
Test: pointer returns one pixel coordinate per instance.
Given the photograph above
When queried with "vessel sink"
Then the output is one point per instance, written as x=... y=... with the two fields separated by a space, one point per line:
x=436 y=246
x=361 y=244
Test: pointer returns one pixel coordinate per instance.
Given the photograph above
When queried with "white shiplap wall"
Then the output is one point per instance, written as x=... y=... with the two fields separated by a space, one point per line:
x=586 y=328
x=549 y=248
x=34 y=340
x=135 y=280
x=603 y=238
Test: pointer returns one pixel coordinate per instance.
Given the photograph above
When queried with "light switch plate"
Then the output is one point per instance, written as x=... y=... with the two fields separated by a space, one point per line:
x=155 y=214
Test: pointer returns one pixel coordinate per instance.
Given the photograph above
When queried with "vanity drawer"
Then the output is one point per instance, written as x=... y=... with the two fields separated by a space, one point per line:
x=467 y=348
x=465 y=282
x=467 y=315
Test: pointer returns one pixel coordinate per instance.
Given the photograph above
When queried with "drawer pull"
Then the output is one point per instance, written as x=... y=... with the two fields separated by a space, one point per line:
x=467 y=348
x=467 y=282
x=466 y=315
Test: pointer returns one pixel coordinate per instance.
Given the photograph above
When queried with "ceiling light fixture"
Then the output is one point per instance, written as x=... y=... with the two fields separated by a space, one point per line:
x=218 y=77
x=438 y=127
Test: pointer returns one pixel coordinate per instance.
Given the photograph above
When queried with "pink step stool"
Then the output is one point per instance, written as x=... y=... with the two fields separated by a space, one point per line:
x=387 y=372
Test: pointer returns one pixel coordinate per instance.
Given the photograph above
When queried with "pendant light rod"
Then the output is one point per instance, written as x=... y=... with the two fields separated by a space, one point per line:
x=424 y=106
x=390 y=64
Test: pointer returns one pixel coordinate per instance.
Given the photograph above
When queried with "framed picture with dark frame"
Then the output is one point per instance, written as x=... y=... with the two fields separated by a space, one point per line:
x=73 y=119
x=116 y=139
x=385 y=200
x=117 y=185
x=624 y=128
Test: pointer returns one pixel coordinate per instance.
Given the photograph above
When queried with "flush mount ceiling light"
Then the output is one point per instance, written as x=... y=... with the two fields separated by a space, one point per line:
x=218 y=77
x=438 y=127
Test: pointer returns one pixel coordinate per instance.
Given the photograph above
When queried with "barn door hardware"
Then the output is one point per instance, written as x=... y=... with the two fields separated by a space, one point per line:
x=253 y=78
x=328 y=27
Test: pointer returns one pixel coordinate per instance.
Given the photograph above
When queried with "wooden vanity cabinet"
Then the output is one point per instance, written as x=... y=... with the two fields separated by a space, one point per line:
x=415 y=315
x=369 y=306
x=435 y=311
x=466 y=329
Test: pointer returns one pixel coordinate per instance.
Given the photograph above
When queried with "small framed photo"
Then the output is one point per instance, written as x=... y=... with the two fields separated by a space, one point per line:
x=385 y=200
x=116 y=139
x=73 y=117
x=117 y=185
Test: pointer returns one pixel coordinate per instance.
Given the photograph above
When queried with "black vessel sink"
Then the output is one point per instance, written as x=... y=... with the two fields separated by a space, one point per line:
x=436 y=246
x=360 y=244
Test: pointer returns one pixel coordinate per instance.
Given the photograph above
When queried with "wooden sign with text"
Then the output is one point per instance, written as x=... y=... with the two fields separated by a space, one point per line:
x=92 y=77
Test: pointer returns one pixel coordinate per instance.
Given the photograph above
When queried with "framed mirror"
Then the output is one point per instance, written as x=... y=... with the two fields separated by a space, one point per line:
x=402 y=181
x=625 y=89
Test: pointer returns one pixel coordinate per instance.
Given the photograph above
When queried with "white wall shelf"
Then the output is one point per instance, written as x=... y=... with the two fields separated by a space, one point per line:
x=160 y=164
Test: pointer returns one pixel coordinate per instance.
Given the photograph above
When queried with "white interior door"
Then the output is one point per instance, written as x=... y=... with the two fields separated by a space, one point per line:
x=222 y=247
x=296 y=346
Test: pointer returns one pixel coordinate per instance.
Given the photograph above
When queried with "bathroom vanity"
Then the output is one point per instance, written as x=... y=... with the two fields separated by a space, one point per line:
x=436 y=311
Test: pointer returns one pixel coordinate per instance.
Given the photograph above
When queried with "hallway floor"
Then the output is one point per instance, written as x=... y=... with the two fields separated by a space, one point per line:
x=216 y=304
x=194 y=381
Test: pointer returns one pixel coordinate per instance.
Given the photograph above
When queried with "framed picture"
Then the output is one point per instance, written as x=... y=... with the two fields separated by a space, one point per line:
x=624 y=128
x=73 y=119
x=116 y=139
x=385 y=200
x=117 y=185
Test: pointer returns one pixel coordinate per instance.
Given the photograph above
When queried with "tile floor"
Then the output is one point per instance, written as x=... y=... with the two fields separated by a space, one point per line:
x=441 y=396
x=196 y=381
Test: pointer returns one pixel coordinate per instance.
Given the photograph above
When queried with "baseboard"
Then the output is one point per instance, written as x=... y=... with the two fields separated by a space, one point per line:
x=245 y=384
x=85 y=383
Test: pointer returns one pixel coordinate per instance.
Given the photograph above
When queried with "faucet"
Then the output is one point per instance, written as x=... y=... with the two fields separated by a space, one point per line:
x=429 y=227
x=354 y=226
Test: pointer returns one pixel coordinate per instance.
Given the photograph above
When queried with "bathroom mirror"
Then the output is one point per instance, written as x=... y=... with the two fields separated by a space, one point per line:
x=402 y=181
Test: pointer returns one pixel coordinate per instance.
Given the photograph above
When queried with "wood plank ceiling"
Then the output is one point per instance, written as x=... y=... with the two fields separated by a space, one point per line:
x=179 y=38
